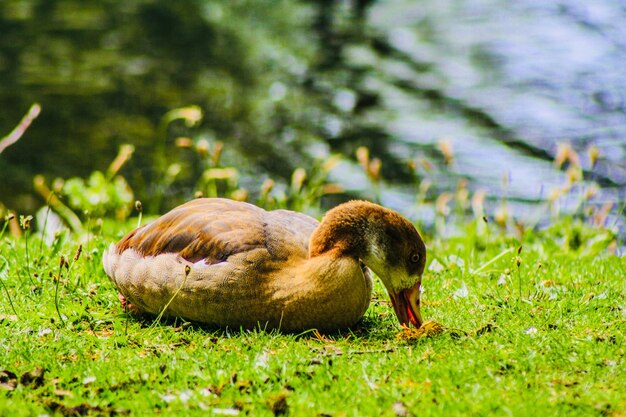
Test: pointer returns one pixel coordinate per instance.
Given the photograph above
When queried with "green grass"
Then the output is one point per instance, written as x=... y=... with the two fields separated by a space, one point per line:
x=546 y=337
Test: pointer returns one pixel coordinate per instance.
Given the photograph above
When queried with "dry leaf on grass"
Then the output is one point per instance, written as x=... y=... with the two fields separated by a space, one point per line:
x=431 y=328
x=279 y=405
x=428 y=328
x=8 y=380
x=34 y=378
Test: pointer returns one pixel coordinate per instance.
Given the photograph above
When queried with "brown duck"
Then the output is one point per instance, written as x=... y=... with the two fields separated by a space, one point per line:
x=228 y=263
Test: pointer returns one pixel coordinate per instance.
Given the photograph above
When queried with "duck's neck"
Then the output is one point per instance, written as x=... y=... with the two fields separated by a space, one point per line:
x=349 y=230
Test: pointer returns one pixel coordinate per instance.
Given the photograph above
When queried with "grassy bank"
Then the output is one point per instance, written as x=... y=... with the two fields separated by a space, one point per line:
x=533 y=331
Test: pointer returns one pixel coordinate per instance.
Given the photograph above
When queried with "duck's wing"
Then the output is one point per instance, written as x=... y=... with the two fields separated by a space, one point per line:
x=212 y=230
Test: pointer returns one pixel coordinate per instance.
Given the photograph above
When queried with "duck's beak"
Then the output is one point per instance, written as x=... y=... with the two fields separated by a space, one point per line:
x=406 y=304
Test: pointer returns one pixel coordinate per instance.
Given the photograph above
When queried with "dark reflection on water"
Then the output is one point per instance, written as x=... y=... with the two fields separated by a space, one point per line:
x=502 y=81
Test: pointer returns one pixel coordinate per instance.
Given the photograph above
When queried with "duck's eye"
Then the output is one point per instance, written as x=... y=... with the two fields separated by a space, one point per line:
x=415 y=257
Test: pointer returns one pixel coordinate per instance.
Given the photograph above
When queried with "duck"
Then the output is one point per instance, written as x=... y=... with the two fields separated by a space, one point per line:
x=231 y=264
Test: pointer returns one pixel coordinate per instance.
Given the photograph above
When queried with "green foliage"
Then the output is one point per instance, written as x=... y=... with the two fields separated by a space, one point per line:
x=99 y=196
x=578 y=237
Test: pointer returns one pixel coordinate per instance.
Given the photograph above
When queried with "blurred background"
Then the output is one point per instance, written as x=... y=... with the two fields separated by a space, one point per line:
x=510 y=109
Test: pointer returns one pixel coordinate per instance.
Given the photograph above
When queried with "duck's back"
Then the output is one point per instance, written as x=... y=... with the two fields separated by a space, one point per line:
x=217 y=256
x=213 y=229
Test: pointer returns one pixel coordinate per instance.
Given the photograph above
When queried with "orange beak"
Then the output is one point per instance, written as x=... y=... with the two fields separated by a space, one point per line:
x=406 y=304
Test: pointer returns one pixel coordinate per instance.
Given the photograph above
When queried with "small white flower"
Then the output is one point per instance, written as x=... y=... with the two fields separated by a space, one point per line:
x=44 y=332
x=206 y=392
x=168 y=398
x=435 y=266
x=502 y=279
x=262 y=360
x=461 y=292
x=226 y=411
x=531 y=330
x=89 y=380
x=185 y=396
x=456 y=261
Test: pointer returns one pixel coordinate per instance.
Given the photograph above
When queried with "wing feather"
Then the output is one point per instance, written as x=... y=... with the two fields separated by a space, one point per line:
x=215 y=229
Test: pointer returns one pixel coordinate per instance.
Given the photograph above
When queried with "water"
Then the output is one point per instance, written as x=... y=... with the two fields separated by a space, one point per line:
x=504 y=82
x=519 y=77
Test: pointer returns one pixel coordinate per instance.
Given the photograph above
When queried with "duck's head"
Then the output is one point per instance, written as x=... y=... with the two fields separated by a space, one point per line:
x=388 y=243
x=397 y=254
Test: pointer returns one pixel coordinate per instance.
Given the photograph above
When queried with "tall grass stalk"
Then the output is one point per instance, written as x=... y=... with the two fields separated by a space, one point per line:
x=160 y=316
x=139 y=208
x=7 y=219
x=518 y=262
x=16 y=256
x=56 y=289
x=6 y=290
x=45 y=225
x=30 y=277
x=71 y=266
x=492 y=261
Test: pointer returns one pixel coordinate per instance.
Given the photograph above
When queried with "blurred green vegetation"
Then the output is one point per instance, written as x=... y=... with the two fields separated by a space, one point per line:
x=264 y=76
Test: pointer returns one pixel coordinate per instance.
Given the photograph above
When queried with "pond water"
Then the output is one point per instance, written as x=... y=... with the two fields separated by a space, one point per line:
x=501 y=82
x=543 y=72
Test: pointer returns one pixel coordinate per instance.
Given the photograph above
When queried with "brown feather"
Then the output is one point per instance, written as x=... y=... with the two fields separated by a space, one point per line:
x=215 y=229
